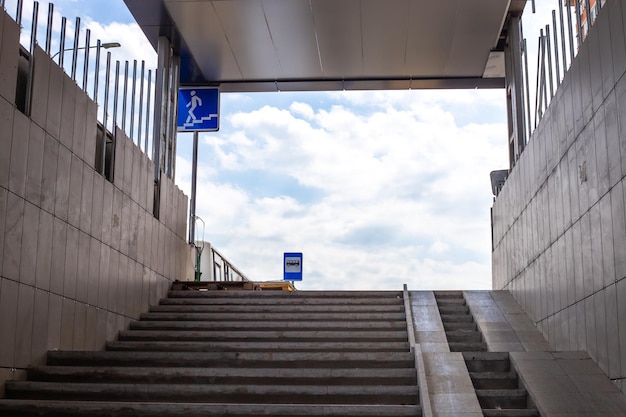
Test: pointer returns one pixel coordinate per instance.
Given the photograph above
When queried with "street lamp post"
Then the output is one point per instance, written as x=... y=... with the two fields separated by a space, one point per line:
x=106 y=45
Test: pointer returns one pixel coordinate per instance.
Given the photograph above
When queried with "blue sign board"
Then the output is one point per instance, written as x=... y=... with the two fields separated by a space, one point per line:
x=293 y=266
x=198 y=109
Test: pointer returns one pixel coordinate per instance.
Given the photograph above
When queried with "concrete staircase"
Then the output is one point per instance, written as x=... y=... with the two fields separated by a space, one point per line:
x=498 y=388
x=238 y=353
x=461 y=330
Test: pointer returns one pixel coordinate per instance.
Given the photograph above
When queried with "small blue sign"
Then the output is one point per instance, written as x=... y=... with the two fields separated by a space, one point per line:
x=198 y=109
x=293 y=266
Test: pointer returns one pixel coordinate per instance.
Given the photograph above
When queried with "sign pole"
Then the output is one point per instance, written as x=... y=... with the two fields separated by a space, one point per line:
x=194 y=178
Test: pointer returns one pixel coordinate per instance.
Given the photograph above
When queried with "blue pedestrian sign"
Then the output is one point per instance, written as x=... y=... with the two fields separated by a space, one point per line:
x=293 y=266
x=198 y=109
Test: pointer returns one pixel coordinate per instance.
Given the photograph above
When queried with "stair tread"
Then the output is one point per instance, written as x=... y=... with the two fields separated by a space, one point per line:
x=269 y=325
x=146 y=409
x=303 y=346
x=290 y=359
x=99 y=372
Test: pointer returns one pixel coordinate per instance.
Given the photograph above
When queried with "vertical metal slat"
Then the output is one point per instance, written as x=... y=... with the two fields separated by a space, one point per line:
x=86 y=59
x=132 y=101
x=49 y=28
x=75 y=48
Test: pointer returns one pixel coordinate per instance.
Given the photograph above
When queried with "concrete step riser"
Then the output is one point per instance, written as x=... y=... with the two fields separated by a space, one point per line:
x=465 y=326
x=276 y=317
x=27 y=408
x=463 y=336
x=511 y=413
x=495 y=381
x=251 y=376
x=308 y=360
x=457 y=318
x=467 y=347
x=266 y=325
x=264 y=336
x=303 y=295
x=213 y=393
x=283 y=301
x=453 y=310
x=282 y=309
x=502 y=399
x=258 y=347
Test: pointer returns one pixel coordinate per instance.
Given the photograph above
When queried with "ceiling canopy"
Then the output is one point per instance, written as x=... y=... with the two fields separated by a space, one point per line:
x=310 y=45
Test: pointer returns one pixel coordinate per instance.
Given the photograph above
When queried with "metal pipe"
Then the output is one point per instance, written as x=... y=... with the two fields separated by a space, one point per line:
x=529 y=122
x=31 y=61
x=139 y=124
x=570 y=27
x=563 y=50
x=75 y=48
x=105 y=109
x=579 y=35
x=192 y=200
x=588 y=13
x=49 y=28
x=114 y=128
x=132 y=101
x=537 y=84
x=548 y=51
x=556 y=51
x=125 y=96
x=148 y=102
x=97 y=72
x=18 y=13
x=543 y=73
x=86 y=59
x=62 y=41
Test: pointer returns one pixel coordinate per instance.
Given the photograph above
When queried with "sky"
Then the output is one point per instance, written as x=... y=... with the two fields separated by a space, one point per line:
x=376 y=189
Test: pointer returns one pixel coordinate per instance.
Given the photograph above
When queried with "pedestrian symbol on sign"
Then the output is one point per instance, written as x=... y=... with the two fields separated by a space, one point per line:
x=195 y=102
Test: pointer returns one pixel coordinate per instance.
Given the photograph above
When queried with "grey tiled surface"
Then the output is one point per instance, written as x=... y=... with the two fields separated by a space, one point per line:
x=69 y=277
x=560 y=242
x=568 y=384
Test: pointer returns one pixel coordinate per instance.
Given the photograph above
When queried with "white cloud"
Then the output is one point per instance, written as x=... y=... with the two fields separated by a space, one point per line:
x=384 y=194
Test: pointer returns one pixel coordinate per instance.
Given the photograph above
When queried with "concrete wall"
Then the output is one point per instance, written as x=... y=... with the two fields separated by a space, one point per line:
x=559 y=224
x=79 y=256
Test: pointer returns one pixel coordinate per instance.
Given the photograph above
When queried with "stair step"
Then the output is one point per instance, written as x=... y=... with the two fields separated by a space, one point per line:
x=462 y=325
x=275 y=308
x=457 y=318
x=286 y=294
x=29 y=408
x=494 y=380
x=454 y=309
x=448 y=294
x=171 y=346
x=234 y=359
x=525 y=412
x=273 y=301
x=199 y=375
x=502 y=399
x=450 y=301
x=216 y=393
x=267 y=325
x=464 y=336
x=467 y=346
x=275 y=316
x=487 y=361
x=285 y=336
